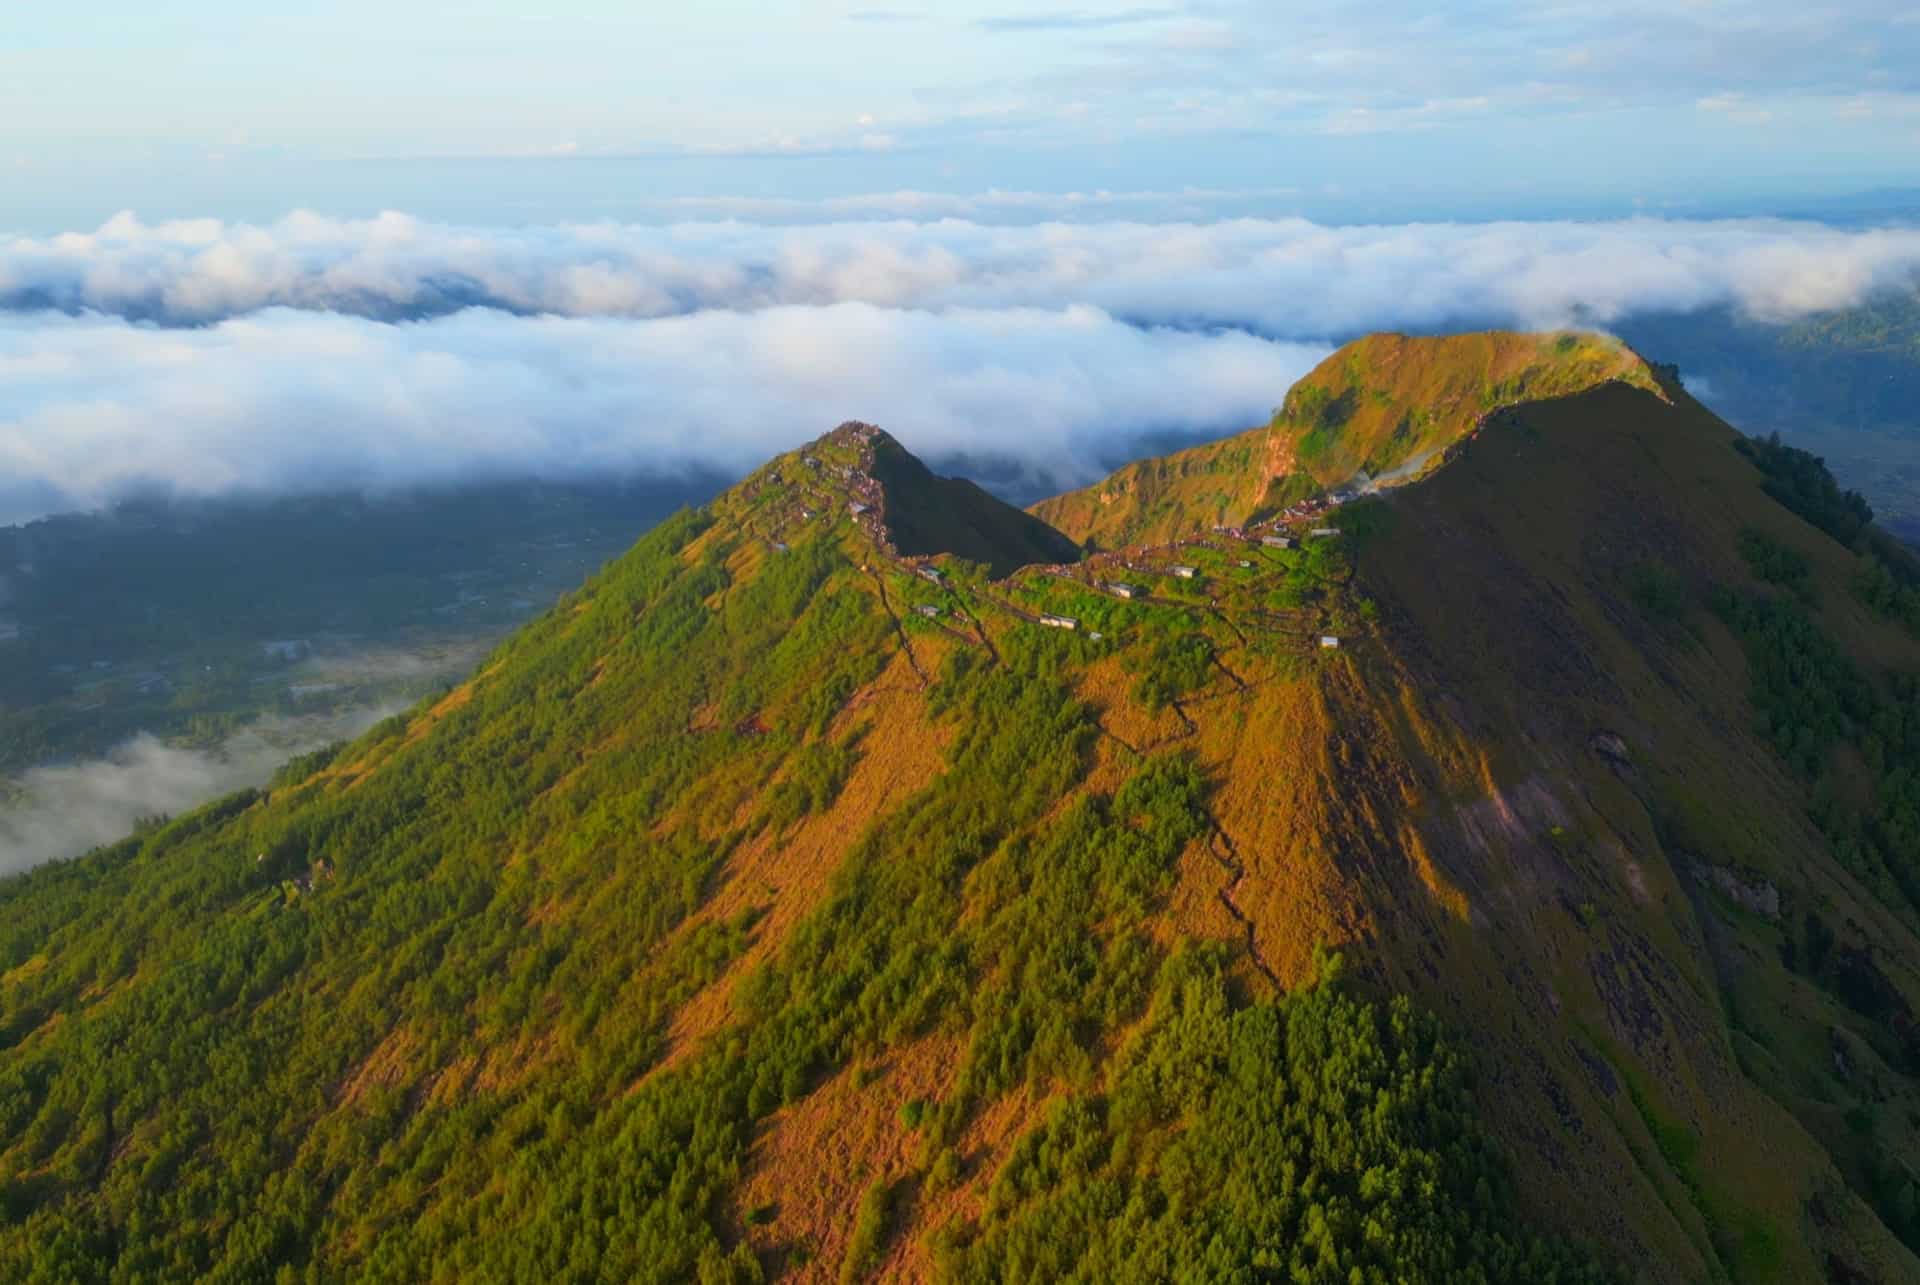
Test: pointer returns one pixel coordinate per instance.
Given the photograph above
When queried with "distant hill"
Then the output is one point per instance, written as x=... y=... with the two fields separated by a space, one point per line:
x=1380 y=410
x=1514 y=881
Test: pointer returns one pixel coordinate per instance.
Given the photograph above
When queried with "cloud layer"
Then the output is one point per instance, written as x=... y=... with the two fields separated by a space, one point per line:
x=1288 y=278
x=209 y=358
x=92 y=408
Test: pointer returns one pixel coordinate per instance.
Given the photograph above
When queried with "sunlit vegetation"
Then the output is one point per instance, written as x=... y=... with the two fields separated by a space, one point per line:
x=551 y=976
x=406 y=1015
x=217 y=1101
x=1318 y=1138
x=1172 y=667
x=1382 y=404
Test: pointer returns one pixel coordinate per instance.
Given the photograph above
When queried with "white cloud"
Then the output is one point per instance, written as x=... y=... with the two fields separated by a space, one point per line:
x=389 y=351
x=1286 y=277
x=93 y=407
x=1736 y=108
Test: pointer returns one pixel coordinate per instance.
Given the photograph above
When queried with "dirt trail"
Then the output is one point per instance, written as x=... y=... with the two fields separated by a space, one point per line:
x=1220 y=847
x=899 y=628
x=986 y=639
x=1228 y=856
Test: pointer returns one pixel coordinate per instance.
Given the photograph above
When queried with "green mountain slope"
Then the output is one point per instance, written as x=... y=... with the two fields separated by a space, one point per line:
x=1381 y=410
x=741 y=918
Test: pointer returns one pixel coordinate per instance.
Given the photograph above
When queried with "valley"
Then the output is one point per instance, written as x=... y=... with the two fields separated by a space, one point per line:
x=217 y=628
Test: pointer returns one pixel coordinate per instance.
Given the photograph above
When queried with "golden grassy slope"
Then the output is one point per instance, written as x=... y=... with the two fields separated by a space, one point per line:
x=1385 y=407
x=1431 y=799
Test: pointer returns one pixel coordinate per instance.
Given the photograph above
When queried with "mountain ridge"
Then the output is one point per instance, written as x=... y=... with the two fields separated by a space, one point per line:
x=1379 y=410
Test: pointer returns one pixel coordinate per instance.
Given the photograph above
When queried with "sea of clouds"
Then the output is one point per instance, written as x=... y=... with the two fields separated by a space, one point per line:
x=1284 y=277
x=207 y=357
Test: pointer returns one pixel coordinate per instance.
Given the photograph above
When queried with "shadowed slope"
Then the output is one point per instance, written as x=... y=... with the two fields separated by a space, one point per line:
x=1618 y=861
x=931 y=515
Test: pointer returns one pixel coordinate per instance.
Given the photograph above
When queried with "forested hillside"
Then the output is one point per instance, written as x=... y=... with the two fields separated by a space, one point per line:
x=1514 y=882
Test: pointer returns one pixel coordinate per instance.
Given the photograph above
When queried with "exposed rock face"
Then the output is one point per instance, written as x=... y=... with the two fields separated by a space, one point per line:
x=1756 y=896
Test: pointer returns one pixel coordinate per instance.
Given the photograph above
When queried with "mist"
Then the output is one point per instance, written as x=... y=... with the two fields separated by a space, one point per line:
x=95 y=408
x=63 y=811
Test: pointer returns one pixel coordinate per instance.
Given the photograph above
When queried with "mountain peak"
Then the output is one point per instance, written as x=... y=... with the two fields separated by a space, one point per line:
x=860 y=473
x=1381 y=410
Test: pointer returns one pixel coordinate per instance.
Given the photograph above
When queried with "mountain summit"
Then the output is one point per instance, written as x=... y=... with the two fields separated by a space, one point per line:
x=861 y=470
x=1380 y=411
x=1505 y=875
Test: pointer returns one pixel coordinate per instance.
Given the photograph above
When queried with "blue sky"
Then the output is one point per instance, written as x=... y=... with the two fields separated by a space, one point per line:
x=488 y=111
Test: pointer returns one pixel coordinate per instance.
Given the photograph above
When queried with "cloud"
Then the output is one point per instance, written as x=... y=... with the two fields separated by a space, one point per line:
x=1734 y=107
x=1633 y=54
x=1074 y=20
x=1281 y=277
x=63 y=811
x=93 y=408
x=389 y=352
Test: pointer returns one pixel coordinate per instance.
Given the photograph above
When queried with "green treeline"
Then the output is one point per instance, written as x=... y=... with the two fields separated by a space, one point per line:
x=1320 y=1138
x=1813 y=703
x=1886 y=575
x=1173 y=666
x=1799 y=480
x=215 y=1039
x=1812 y=699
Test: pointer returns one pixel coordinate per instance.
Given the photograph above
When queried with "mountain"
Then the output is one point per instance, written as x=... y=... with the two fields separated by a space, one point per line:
x=1381 y=410
x=1519 y=881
